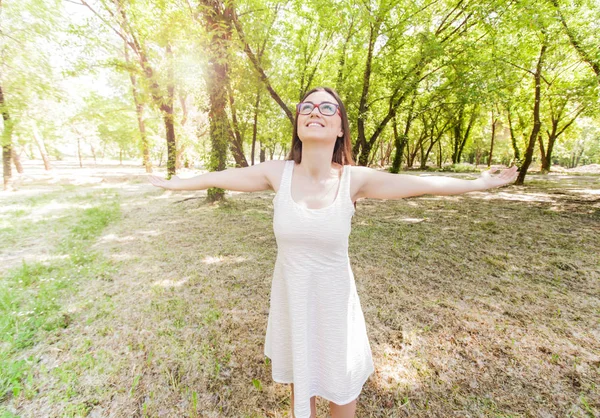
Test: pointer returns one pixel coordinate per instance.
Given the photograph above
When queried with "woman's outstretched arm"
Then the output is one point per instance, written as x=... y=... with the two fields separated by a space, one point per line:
x=382 y=185
x=254 y=178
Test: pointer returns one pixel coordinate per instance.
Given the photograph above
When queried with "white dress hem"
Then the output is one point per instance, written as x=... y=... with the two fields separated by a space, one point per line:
x=343 y=402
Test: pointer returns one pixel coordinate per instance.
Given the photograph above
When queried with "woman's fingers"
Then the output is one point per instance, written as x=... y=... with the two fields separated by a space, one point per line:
x=158 y=181
x=505 y=175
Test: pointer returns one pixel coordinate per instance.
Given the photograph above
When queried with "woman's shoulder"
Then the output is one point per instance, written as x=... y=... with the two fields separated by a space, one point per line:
x=274 y=171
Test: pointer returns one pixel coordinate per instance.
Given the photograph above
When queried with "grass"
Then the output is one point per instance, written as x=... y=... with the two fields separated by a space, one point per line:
x=477 y=305
x=32 y=295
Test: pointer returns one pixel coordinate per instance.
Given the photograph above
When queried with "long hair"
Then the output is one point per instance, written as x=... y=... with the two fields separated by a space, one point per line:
x=342 y=151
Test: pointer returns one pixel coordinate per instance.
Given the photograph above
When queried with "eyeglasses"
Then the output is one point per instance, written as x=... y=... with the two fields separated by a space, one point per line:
x=326 y=108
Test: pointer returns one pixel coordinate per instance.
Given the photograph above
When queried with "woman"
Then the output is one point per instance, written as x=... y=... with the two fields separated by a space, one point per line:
x=316 y=336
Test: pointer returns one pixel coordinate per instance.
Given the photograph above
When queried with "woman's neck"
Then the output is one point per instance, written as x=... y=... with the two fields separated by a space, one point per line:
x=316 y=161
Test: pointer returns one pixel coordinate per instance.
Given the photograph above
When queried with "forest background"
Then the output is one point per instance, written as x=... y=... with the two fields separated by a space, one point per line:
x=214 y=84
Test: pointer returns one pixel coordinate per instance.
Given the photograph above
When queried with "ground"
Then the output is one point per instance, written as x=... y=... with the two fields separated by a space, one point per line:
x=121 y=299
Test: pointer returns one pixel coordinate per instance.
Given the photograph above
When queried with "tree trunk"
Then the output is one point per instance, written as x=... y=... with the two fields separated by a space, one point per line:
x=342 y=59
x=79 y=152
x=576 y=163
x=429 y=148
x=494 y=121
x=422 y=161
x=217 y=26
x=237 y=144
x=6 y=143
x=537 y=123
x=255 y=126
x=16 y=161
x=460 y=136
x=166 y=108
x=361 y=148
x=457 y=137
x=164 y=104
x=513 y=138
x=139 y=112
x=400 y=142
x=553 y=136
x=93 y=154
x=41 y=147
x=543 y=155
x=179 y=163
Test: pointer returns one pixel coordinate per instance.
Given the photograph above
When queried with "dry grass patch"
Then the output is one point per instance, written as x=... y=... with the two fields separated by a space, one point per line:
x=478 y=305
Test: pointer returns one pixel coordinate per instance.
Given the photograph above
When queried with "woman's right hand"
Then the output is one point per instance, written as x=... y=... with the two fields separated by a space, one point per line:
x=173 y=184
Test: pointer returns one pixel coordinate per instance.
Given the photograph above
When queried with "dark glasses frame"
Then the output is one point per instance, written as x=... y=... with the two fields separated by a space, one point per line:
x=337 y=108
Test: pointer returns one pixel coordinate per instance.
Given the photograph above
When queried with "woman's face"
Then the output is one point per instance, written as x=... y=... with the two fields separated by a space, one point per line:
x=316 y=126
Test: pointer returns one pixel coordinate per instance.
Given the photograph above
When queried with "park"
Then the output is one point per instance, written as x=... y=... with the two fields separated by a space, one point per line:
x=118 y=298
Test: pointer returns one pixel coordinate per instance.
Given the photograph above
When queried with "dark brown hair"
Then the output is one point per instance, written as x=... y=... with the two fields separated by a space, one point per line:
x=342 y=151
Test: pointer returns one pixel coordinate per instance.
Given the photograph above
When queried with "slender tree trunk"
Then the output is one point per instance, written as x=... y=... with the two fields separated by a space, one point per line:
x=400 y=141
x=422 y=161
x=360 y=147
x=237 y=145
x=139 y=111
x=79 y=152
x=513 y=139
x=41 y=147
x=374 y=155
x=179 y=163
x=255 y=125
x=388 y=153
x=537 y=123
x=16 y=161
x=6 y=142
x=165 y=104
x=166 y=108
x=578 y=157
x=93 y=154
x=460 y=137
x=467 y=133
x=553 y=136
x=342 y=59
x=413 y=155
x=429 y=148
x=494 y=121
x=457 y=137
x=542 y=154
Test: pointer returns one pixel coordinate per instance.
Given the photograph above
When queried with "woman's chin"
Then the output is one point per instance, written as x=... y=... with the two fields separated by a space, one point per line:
x=314 y=137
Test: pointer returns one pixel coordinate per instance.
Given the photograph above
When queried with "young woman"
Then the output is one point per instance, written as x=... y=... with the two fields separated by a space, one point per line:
x=316 y=336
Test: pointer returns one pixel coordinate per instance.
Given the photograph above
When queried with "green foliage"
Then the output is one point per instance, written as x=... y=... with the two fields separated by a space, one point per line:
x=442 y=73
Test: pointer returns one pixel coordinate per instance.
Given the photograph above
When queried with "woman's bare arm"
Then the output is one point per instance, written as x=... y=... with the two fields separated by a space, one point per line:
x=382 y=185
x=246 y=179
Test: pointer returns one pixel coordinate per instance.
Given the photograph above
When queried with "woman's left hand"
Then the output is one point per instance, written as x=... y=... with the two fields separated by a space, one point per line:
x=507 y=175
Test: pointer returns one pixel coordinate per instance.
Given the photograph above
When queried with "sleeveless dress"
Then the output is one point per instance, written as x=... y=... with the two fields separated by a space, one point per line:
x=316 y=336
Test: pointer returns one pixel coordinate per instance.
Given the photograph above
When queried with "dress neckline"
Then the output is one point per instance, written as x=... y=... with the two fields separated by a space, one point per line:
x=339 y=191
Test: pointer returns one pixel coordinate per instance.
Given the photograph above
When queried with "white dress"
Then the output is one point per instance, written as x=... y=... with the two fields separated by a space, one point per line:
x=316 y=336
